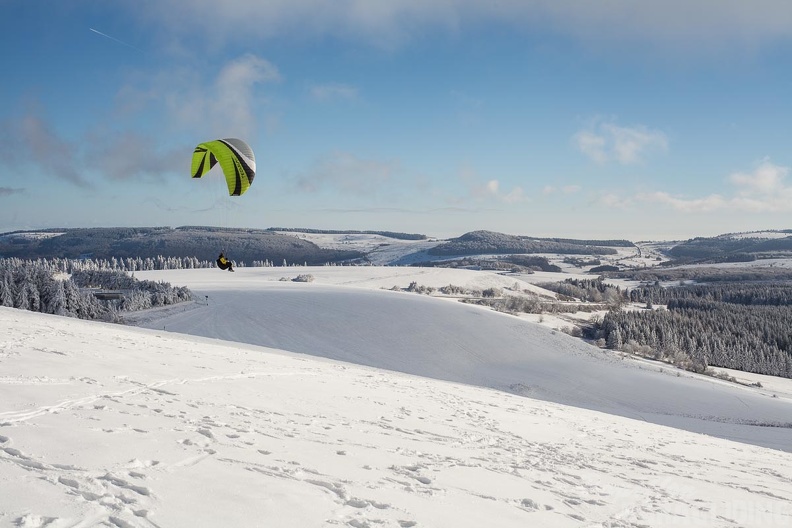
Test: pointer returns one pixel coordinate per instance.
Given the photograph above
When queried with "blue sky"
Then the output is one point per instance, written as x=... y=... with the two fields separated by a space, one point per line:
x=617 y=119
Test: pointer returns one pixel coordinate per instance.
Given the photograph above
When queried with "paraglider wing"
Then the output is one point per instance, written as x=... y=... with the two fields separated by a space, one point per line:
x=235 y=158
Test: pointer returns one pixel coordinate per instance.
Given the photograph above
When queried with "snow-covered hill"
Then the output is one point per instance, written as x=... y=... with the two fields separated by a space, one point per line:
x=103 y=425
x=345 y=315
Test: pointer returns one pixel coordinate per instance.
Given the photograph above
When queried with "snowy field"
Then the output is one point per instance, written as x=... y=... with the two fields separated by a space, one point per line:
x=769 y=263
x=350 y=314
x=341 y=403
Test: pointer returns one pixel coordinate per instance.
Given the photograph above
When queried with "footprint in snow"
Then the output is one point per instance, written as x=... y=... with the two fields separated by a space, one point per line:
x=136 y=463
x=34 y=521
x=207 y=433
x=69 y=482
x=121 y=483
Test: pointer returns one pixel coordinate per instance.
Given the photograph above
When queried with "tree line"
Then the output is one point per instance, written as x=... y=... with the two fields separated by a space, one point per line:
x=739 y=326
x=62 y=287
x=759 y=293
x=589 y=290
x=130 y=264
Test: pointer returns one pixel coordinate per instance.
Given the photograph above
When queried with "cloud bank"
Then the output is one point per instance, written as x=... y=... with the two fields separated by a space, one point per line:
x=678 y=24
x=31 y=141
x=764 y=190
x=224 y=106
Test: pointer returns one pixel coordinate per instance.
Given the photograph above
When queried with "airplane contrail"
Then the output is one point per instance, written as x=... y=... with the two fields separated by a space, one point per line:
x=116 y=40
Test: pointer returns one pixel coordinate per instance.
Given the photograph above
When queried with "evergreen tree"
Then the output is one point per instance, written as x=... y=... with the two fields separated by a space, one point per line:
x=6 y=294
x=56 y=298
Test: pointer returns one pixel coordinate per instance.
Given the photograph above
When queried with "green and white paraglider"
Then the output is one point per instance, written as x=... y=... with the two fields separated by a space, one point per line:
x=239 y=168
x=235 y=158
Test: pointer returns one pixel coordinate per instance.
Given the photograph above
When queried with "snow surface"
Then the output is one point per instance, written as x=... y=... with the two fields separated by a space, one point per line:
x=419 y=335
x=107 y=425
x=380 y=250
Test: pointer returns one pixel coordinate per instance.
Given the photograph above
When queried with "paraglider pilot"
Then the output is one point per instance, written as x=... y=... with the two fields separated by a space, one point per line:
x=224 y=264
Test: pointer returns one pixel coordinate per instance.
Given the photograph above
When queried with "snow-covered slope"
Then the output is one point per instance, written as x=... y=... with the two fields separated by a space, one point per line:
x=380 y=250
x=103 y=425
x=461 y=343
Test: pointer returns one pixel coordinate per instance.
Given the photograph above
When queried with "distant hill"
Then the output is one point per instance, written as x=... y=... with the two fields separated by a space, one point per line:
x=388 y=234
x=733 y=247
x=489 y=242
x=204 y=243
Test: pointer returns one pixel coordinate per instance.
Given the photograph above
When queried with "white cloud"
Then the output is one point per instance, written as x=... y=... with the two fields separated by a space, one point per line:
x=766 y=179
x=762 y=191
x=605 y=142
x=225 y=106
x=229 y=103
x=613 y=201
x=695 y=205
x=492 y=190
x=130 y=156
x=345 y=172
x=235 y=97
x=592 y=145
x=333 y=91
x=692 y=27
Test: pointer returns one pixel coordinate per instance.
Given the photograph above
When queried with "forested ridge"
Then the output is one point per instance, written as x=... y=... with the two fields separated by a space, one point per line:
x=725 y=248
x=737 y=325
x=244 y=246
x=489 y=242
x=732 y=325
